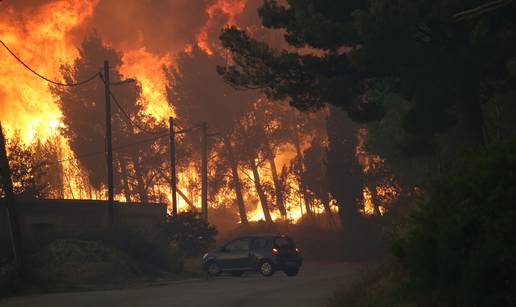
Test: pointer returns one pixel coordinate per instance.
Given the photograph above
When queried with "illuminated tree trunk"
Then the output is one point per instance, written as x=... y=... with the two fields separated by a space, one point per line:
x=236 y=181
x=376 y=201
x=139 y=179
x=327 y=209
x=125 y=181
x=259 y=190
x=278 y=188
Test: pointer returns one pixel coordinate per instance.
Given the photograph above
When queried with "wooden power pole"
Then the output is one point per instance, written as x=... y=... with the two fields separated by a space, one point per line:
x=109 y=146
x=204 y=171
x=173 y=179
x=12 y=218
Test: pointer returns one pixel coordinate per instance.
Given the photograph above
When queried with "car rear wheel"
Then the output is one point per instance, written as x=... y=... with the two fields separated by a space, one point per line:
x=292 y=272
x=237 y=273
x=213 y=268
x=266 y=269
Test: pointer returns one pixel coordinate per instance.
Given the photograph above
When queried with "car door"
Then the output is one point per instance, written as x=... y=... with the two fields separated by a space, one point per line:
x=236 y=254
x=259 y=249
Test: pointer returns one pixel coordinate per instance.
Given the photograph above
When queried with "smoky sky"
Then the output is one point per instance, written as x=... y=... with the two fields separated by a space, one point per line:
x=161 y=26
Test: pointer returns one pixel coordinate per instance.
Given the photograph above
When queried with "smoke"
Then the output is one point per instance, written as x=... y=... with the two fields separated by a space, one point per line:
x=160 y=26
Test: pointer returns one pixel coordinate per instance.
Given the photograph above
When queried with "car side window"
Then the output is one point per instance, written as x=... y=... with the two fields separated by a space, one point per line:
x=259 y=243
x=238 y=245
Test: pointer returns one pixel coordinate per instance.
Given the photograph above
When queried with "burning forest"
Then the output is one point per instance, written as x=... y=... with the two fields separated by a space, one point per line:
x=264 y=158
x=154 y=145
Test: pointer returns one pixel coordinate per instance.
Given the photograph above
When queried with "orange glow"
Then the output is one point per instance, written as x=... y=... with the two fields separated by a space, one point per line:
x=48 y=38
x=385 y=192
x=148 y=70
x=229 y=8
x=367 y=161
x=25 y=100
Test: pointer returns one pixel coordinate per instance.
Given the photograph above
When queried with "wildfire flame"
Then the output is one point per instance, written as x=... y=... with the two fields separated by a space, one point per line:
x=47 y=36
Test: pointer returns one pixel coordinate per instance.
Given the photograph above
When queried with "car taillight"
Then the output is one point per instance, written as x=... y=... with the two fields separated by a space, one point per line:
x=275 y=251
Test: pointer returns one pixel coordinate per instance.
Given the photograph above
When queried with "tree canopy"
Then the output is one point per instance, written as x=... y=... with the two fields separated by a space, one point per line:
x=83 y=109
x=350 y=54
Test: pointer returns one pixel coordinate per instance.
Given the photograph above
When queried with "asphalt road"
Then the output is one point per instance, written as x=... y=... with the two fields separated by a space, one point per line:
x=313 y=286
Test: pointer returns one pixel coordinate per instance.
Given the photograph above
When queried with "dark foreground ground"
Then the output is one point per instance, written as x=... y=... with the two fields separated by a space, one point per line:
x=312 y=287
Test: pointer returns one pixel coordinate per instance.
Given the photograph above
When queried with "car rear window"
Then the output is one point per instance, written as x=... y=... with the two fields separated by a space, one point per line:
x=283 y=242
x=259 y=243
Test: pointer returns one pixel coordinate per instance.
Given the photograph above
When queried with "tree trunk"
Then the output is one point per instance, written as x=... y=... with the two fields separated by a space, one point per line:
x=278 y=187
x=125 y=181
x=139 y=179
x=187 y=200
x=236 y=181
x=376 y=201
x=259 y=190
x=302 y=187
x=327 y=209
x=344 y=173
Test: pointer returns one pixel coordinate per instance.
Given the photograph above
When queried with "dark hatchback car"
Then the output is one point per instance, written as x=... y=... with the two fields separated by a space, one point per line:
x=263 y=253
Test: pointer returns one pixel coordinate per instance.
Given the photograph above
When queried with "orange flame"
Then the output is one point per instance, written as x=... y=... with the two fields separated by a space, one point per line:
x=46 y=38
x=229 y=8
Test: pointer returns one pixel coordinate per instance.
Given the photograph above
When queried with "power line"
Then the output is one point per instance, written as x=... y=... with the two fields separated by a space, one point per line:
x=130 y=121
x=90 y=154
x=45 y=78
x=94 y=153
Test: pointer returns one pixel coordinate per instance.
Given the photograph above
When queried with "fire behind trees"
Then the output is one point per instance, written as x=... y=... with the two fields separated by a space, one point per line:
x=252 y=132
x=432 y=80
x=247 y=152
x=34 y=173
x=138 y=166
x=141 y=171
x=267 y=162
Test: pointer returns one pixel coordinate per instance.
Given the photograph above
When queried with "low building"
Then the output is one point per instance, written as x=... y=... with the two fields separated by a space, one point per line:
x=41 y=220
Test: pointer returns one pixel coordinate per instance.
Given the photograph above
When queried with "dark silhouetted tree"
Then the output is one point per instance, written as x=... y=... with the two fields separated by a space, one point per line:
x=83 y=110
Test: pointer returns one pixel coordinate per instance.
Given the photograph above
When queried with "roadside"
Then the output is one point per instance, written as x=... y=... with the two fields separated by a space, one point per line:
x=314 y=286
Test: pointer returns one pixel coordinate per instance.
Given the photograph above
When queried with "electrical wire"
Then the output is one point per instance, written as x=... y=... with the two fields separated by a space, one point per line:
x=45 y=78
x=134 y=124
x=130 y=121
x=90 y=154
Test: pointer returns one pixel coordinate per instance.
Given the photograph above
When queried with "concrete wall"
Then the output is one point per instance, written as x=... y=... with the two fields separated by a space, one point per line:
x=42 y=220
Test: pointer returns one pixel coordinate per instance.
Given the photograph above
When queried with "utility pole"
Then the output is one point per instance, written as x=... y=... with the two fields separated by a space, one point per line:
x=173 y=179
x=12 y=218
x=109 y=147
x=204 y=171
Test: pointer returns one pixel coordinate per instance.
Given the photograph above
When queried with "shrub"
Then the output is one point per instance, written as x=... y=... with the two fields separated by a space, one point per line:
x=190 y=234
x=149 y=255
x=381 y=287
x=76 y=261
x=460 y=245
x=365 y=238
